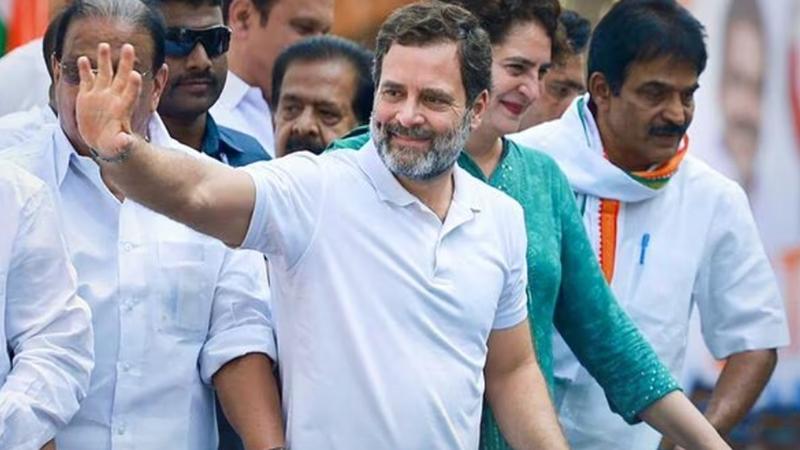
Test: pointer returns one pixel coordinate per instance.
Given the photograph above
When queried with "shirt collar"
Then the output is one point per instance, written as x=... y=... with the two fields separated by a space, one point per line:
x=237 y=91
x=211 y=140
x=234 y=91
x=390 y=190
x=214 y=143
x=65 y=152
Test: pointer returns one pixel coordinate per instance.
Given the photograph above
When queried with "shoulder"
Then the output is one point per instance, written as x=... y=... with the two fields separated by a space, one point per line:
x=34 y=117
x=306 y=164
x=33 y=152
x=703 y=180
x=542 y=175
x=496 y=202
x=532 y=158
x=353 y=140
x=25 y=57
x=18 y=187
x=241 y=141
x=541 y=137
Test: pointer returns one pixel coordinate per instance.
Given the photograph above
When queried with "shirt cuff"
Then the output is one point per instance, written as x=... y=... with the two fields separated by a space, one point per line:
x=661 y=384
x=234 y=343
x=23 y=428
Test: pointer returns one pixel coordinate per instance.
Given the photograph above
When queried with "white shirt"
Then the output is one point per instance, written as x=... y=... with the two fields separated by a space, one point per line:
x=20 y=126
x=243 y=108
x=42 y=321
x=171 y=306
x=382 y=311
x=702 y=249
x=26 y=82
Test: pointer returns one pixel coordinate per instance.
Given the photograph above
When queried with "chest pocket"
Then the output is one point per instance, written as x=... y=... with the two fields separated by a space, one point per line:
x=188 y=273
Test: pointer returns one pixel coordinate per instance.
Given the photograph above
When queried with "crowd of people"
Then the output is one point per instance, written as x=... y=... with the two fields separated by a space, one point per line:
x=228 y=229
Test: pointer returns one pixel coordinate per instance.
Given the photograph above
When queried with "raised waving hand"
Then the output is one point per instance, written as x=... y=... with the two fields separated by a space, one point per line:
x=106 y=101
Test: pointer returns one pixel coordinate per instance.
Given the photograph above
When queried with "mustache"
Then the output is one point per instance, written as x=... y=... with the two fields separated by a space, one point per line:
x=669 y=130
x=192 y=77
x=300 y=143
x=415 y=132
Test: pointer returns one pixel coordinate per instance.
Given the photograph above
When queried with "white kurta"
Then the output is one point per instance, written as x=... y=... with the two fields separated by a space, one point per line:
x=691 y=243
x=170 y=307
x=43 y=323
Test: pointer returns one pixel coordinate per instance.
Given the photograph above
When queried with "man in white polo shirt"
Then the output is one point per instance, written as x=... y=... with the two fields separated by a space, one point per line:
x=398 y=280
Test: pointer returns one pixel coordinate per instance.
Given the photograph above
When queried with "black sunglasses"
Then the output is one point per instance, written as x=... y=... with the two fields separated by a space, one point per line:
x=181 y=41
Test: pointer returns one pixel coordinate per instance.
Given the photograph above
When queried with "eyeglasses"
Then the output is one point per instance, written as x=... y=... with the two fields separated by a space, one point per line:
x=181 y=41
x=71 y=73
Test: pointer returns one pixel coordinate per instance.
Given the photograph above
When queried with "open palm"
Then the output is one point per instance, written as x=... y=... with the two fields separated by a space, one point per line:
x=106 y=101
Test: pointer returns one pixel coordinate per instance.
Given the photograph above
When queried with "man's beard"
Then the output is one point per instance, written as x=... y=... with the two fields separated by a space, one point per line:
x=415 y=164
x=300 y=143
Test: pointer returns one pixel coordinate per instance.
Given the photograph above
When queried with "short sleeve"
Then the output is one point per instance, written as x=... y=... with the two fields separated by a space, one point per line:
x=290 y=192
x=241 y=319
x=736 y=293
x=512 y=307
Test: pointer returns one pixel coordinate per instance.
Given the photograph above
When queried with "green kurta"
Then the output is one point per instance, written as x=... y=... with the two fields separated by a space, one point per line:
x=567 y=288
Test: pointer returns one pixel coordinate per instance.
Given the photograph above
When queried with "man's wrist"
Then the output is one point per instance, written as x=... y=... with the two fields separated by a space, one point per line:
x=122 y=156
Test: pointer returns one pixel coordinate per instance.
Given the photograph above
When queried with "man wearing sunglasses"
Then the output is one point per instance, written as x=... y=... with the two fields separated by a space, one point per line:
x=195 y=47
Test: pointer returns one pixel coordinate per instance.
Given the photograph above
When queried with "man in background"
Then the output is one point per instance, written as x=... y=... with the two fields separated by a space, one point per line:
x=261 y=30
x=196 y=46
x=670 y=233
x=323 y=88
x=566 y=79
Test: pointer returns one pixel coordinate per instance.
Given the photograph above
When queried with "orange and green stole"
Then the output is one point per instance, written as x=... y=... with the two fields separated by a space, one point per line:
x=609 y=208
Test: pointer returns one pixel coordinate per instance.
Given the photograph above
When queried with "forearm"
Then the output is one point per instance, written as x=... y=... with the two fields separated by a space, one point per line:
x=248 y=393
x=738 y=387
x=522 y=407
x=182 y=187
x=159 y=178
x=677 y=419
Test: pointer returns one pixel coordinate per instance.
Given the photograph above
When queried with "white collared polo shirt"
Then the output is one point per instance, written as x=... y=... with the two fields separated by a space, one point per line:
x=382 y=311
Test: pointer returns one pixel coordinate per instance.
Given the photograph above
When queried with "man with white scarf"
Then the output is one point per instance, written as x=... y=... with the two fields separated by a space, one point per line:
x=670 y=232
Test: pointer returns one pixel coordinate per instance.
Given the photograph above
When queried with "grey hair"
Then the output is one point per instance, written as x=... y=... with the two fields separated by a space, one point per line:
x=134 y=12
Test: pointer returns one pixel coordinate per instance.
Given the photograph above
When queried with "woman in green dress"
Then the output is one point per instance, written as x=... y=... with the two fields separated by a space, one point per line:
x=567 y=287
